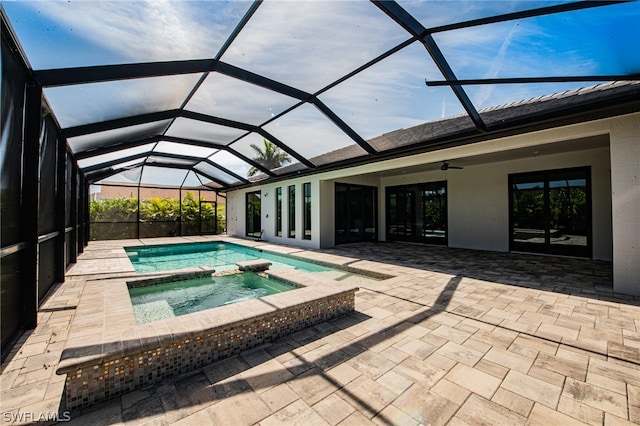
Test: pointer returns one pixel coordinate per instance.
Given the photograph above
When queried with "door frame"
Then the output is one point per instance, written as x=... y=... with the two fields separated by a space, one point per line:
x=419 y=189
x=547 y=247
x=259 y=215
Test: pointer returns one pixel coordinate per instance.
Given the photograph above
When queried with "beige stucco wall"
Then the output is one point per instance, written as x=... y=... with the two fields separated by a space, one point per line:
x=478 y=198
x=625 y=176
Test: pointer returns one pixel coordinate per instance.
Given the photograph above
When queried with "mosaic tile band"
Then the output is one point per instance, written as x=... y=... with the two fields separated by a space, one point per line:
x=89 y=384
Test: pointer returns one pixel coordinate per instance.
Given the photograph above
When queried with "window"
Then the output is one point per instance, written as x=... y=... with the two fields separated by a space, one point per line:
x=292 y=211
x=417 y=213
x=551 y=212
x=279 y=211
x=307 y=211
x=254 y=227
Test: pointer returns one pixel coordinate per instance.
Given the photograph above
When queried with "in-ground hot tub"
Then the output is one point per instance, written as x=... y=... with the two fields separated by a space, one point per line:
x=108 y=353
x=154 y=301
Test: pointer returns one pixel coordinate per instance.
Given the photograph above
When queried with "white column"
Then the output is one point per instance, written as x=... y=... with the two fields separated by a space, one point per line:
x=625 y=189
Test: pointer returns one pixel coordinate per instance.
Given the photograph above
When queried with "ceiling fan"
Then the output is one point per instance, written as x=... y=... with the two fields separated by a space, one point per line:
x=446 y=166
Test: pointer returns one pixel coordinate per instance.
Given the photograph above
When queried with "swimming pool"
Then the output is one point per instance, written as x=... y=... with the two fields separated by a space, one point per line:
x=166 y=300
x=217 y=255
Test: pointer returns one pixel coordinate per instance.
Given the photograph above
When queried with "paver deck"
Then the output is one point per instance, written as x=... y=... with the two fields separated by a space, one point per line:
x=456 y=337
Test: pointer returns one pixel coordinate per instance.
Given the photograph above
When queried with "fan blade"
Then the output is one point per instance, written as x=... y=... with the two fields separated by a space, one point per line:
x=446 y=166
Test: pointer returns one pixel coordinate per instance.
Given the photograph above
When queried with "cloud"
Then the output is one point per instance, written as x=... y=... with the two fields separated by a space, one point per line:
x=309 y=44
x=223 y=96
x=391 y=94
x=142 y=31
x=496 y=66
x=96 y=102
x=306 y=131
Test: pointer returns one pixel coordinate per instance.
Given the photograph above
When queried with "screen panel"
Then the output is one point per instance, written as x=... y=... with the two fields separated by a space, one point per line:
x=112 y=137
x=192 y=181
x=102 y=33
x=318 y=41
x=162 y=176
x=222 y=96
x=391 y=95
x=159 y=212
x=209 y=170
x=13 y=86
x=184 y=149
x=253 y=146
x=595 y=41
x=46 y=267
x=231 y=162
x=11 y=301
x=96 y=102
x=69 y=202
x=47 y=192
x=158 y=160
x=202 y=131
x=103 y=158
x=308 y=132
x=436 y=13
x=113 y=212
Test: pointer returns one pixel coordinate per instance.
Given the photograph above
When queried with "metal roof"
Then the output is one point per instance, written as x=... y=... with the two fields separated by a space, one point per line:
x=170 y=92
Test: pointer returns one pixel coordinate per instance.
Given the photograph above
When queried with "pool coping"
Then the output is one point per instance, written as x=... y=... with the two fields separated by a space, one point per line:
x=107 y=352
x=291 y=252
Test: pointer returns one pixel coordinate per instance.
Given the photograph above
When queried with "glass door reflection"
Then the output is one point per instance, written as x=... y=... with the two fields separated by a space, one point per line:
x=551 y=212
x=417 y=213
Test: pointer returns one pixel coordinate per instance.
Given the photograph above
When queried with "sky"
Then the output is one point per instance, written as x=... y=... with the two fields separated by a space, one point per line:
x=308 y=45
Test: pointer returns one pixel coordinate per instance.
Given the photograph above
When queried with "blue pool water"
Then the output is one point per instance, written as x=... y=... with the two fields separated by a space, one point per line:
x=161 y=301
x=219 y=256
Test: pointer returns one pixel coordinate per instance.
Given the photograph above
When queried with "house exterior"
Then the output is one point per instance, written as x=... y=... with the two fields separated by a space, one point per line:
x=582 y=147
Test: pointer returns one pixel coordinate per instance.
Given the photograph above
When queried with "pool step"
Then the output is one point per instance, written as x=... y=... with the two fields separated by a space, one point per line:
x=153 y=311
x=170 y=276
x=257 y=265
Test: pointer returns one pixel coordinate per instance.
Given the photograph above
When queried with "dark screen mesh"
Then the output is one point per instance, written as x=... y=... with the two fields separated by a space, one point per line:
x=80 y=200
x=221 y=213
x=13 y=84
x=113 y=231
x=47 y=199
x=190 y=213
x=113 y=212
x=11 y=297
x=46 y=266
x=159 y=229
x=68 y=248
x=159 y=212
x=68 y=202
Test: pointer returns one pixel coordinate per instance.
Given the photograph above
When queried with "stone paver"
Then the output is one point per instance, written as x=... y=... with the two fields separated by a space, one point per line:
x=457 y=337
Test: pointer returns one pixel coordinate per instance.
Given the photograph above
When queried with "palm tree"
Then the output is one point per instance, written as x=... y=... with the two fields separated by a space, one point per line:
x=271 y=157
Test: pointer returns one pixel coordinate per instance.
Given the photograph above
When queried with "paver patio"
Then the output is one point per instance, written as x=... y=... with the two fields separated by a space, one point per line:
x=456 y=337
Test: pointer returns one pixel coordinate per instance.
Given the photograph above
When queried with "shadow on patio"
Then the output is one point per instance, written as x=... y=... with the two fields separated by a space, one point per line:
x=308 y=366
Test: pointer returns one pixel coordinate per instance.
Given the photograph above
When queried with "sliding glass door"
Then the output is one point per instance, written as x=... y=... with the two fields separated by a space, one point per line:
x=401 y=213
x=434 y=213
x=417 y=213
x=551 y=212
